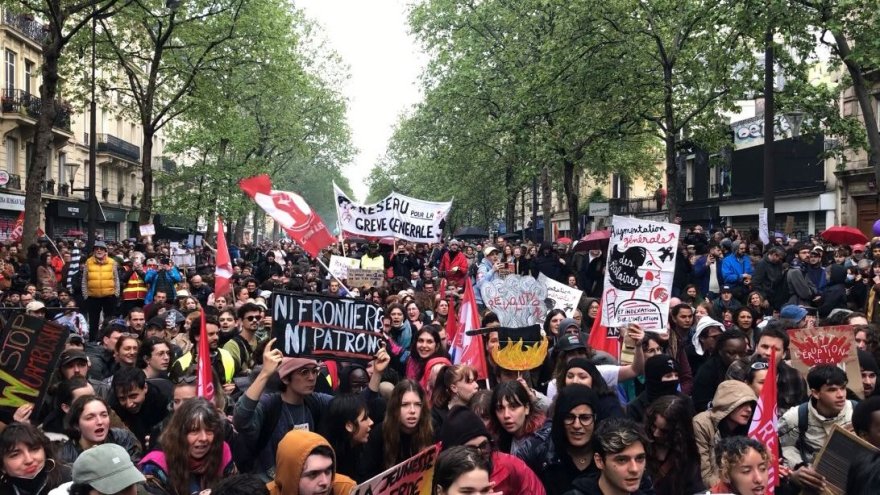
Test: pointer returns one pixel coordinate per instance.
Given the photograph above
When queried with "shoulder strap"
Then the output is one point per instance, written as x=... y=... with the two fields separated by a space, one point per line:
x=803 y=425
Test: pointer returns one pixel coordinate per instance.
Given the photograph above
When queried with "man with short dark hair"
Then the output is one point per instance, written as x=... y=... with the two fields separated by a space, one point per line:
x=102 y=356
x=200 y=290
x=773 y=336
x=803 y=430
x=619 y=454
x=769 y=277
x=138 y=405
x=222 y=361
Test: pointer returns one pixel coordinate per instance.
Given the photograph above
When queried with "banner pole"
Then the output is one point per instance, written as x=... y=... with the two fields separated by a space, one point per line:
x=331 y=274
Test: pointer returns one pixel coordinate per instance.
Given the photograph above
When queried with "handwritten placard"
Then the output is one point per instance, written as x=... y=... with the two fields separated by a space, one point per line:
x=321 y=327
x=561 y=296
x=638 y=278
x=31 y=348
x=827 y=345
x=413 y=476
x=148 y=229
x=365 y=277
x=518 y=300
x=339 y=265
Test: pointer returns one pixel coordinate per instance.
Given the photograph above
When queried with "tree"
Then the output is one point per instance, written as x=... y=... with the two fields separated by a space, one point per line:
x=64 y=20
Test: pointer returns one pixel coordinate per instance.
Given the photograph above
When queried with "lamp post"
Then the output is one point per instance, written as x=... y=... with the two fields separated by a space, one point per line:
x=93 y=146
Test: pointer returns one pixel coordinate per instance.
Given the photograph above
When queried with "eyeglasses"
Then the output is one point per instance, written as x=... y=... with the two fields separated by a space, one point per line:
x=760 y=365
x=308 y=372
x=583 y=419
x=253 y=317
x=485 y=447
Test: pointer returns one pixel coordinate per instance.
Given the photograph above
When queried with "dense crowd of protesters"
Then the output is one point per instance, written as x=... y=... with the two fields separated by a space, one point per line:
x=123 y=413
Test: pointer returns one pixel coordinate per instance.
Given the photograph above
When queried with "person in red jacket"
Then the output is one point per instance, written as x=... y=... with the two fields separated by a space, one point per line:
x=454 y=264
x=509 y=473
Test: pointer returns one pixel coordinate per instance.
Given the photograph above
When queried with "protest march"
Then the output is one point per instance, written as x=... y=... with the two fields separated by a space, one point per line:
x=394 y=358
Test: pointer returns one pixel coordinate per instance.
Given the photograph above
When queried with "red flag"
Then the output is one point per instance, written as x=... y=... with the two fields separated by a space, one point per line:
x=223 y=268
x=18 y=231
x=451 y=323
x=206 y=373
x=469 y=348
x=600 y=340
x=291 y=212
x=764 y=423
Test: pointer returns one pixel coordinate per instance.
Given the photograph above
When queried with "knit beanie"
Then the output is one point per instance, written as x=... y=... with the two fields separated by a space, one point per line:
x=867 y=362
x=569 y=398
x=460 y=426
x=655 y=368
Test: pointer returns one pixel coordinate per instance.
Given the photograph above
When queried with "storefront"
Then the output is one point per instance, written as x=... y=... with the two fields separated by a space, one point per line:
x=11 y=206
x=65 y=218
x=109 y=229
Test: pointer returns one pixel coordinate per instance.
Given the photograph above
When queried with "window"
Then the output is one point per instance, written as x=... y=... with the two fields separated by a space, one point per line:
x=11 y=155
x=62 y=169
x=120 y=179
x=690 y=178
x=105 y=177
x=714 y=179
x=28 y=76
x=10 y=72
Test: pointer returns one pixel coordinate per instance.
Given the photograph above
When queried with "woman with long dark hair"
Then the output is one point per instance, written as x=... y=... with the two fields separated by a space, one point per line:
x=455 y=385
x=580 y=371
x=46 y=272
x=347 y=427
x=462 y=469
x=88 y=424
x=29 y=465
x=673 y=460
x=193 y=455
x=520 y=428
x=424 y=347
x=405 y=431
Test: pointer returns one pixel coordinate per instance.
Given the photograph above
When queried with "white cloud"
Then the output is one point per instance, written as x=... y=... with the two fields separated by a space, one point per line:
x=372 y=38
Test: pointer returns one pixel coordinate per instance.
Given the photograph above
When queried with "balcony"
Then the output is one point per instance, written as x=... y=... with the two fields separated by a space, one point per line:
x=30 y=105
x=14 y=182
x=163 y=164
x=635 y=206
x=48 y=187
x=26 y=24
x=113 y=146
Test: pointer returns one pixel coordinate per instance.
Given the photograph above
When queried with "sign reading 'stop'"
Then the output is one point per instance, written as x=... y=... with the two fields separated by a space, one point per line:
x=396 y=216
x=322 y=327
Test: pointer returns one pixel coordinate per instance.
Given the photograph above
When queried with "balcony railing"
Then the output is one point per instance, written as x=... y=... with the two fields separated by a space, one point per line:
x=108 y=143
x=17 y=100
x=635 y=206
x=31 y=28
x=14 y=182
x=48 y=187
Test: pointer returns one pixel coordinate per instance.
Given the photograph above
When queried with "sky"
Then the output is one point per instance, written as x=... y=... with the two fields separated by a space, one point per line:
x=384 y=61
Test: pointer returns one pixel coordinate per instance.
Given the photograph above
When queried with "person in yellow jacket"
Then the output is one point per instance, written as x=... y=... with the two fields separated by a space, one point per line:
x=222 y=361
x=306 y=465
x=100 y=287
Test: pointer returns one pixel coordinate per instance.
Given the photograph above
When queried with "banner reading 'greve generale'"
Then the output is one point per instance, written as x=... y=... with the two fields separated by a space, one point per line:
x=396 y=216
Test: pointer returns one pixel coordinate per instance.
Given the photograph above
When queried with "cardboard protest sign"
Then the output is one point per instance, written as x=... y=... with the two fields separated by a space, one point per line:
x=520 y=349
x=562 y=296
x=638 y=277
x=340 y=265
x=323 y=327
x=840 y=451
x=31 y=348
x=413 y=476
x=519 y=301
x=147 y=229
x=358 y=277
x=398 y=216
x=827 y=345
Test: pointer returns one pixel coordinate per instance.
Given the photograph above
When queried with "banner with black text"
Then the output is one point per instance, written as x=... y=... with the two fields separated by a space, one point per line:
x=395 y=216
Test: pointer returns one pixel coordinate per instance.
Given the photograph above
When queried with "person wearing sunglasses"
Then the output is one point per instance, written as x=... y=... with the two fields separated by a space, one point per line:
x=262 y=421
x=222 y=362
x=242 y=344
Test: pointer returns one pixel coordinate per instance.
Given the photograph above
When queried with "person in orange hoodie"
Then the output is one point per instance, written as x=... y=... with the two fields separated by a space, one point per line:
x=305 y=464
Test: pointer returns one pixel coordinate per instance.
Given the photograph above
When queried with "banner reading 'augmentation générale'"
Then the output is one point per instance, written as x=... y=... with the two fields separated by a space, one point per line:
x=396 y=216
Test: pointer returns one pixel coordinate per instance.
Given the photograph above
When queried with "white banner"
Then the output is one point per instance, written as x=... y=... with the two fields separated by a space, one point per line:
x=339 y=265
x=561 y=296
x=395 y=216
x=638 y=278
x=763 y=228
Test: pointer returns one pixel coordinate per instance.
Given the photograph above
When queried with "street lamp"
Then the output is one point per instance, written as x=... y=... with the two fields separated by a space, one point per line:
x=795 y=118
x=72 y=167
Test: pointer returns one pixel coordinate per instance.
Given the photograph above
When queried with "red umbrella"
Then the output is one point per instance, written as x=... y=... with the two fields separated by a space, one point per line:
x=595 y=240
x=564 y=240
x=841 y=234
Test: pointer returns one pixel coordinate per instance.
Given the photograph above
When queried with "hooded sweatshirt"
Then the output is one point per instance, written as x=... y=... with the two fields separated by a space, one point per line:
x=730 y=395
x=293 y=451
x=655 y=368
x=834 y=294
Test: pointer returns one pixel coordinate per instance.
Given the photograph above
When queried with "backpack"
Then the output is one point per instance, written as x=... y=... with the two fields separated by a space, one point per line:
x=245 y=454
x=803 y=423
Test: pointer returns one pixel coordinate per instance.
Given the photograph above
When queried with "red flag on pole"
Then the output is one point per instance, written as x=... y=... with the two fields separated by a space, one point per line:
x=223 y=268
x=291 y=212
x=205 y=373
x=601 y=340
x=468 y=349
x=764 y=423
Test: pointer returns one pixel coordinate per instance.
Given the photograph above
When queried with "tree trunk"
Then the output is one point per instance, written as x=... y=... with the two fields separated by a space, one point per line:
x=860 y=88
x=547 y=203
x=571 y=196
x=512 y=193
x=239 y=230
x=674 y=186
x=39 y=163
x=146 y=214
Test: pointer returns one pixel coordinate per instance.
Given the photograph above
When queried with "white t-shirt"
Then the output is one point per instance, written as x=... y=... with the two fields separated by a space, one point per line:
x=609 y=373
